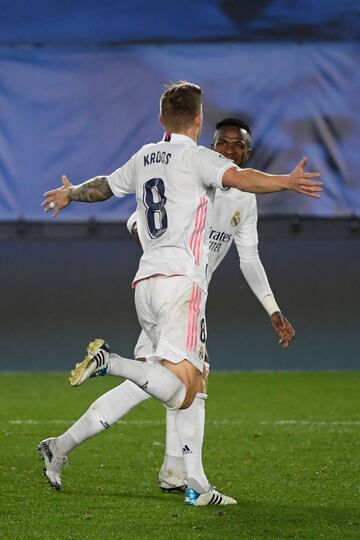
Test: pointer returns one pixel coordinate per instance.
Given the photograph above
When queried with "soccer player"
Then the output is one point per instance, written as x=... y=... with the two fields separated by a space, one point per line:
x=234 y=218
x=174 y=182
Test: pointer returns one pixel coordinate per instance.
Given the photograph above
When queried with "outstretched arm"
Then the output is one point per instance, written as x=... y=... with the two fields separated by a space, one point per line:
x=94 y=190
x=259 y=182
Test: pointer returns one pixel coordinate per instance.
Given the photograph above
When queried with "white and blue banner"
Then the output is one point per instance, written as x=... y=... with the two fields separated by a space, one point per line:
x=79 y=97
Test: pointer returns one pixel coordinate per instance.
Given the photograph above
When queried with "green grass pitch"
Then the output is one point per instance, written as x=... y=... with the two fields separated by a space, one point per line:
x=286 y=445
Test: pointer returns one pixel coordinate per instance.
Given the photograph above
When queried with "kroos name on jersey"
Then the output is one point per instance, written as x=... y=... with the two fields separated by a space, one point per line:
x=157 y=157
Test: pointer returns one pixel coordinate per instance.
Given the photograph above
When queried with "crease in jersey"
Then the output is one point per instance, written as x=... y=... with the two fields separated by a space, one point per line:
x=194 y=310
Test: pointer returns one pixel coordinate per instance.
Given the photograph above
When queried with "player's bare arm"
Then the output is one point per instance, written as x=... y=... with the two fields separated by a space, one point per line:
x=283 y=328
x=259 y=182
x=95 y=190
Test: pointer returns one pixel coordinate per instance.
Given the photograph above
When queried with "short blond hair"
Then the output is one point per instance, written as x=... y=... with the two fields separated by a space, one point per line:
x=179 y=105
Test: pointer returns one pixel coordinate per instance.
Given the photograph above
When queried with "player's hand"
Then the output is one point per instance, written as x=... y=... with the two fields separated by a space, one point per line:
x=59 y=198
x=301 y=181
x=283 y=329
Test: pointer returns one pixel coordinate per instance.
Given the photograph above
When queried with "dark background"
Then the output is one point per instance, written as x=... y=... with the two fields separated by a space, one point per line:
x=69 y=292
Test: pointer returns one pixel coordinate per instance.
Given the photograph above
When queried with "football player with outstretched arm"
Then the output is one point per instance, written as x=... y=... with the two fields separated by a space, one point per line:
x=234 y=219
x=174 y=181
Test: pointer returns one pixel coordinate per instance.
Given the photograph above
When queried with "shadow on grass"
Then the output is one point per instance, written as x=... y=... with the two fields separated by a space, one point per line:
x=249 y=510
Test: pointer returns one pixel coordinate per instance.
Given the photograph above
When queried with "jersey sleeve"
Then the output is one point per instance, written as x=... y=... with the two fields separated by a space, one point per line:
x=211 y=166
x=246 y=233
x=122 y=181
x=246 y=240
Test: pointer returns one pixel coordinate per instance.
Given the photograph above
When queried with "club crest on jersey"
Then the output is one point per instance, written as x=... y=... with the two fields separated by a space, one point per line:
x=235 y=219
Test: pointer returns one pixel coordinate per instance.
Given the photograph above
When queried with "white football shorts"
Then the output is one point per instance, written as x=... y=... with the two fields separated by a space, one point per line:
x=171 y=311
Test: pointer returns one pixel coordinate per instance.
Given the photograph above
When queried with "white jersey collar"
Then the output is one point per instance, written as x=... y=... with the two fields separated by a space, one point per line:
x=178 y=137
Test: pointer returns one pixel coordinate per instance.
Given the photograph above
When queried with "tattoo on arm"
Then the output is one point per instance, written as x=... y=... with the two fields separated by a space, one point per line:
x=94 y=190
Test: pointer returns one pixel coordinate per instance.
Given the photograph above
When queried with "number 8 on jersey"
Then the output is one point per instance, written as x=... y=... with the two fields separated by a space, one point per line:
x=154 y=201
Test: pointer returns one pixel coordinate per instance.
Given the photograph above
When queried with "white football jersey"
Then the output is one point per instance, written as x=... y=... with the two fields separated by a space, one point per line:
x=234 y=218
x=174 y=182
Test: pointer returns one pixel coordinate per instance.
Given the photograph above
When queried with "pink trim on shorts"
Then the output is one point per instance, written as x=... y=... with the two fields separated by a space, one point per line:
x=194 y=310
x=197 y=234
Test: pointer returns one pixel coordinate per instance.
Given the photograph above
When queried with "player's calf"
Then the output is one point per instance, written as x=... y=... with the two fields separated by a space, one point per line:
x=155 y=379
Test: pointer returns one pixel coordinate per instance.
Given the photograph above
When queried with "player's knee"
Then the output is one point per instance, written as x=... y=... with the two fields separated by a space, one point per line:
x=189 y=398
x=189 y=377
x=176 y=400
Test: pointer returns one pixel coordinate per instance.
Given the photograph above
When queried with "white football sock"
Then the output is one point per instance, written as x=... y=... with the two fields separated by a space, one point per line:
x=155 y=379
x=190 y=425
x=106 y=410
x=173 y=464
x=173 y=443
